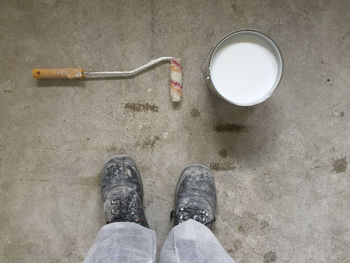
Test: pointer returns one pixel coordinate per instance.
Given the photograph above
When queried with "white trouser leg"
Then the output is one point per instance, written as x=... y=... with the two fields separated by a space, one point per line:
x=193 y=242
x=123 y=242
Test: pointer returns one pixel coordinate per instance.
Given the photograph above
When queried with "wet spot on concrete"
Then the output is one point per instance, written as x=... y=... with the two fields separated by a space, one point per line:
x=270 y=257
x=223 y=153
x=8 y=91
x=88 y=139
x=230 y=127
x=112 y=149
x=195 y=113
x=222 y=166
x=141 y=107
x=342 y=113
x=339 y=165
x=148 y=143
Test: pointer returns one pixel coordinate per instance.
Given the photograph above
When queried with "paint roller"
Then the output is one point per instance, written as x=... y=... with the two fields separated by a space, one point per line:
x=79 y=73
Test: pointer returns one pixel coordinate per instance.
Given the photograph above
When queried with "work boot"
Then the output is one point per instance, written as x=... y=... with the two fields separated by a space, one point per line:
x=122 y=191
x=195 y=196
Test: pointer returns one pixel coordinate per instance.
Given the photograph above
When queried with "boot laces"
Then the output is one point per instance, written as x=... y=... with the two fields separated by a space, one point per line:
x=192 y=212
x=124 y=210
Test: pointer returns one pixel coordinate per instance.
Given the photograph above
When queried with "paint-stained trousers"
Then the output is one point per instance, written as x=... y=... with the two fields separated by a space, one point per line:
x=125 y=242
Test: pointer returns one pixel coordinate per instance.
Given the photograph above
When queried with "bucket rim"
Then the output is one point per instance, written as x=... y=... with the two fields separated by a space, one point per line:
x=276 y=50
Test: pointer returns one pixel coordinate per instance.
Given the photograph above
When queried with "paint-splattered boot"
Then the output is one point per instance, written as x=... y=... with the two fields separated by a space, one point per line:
x=195 y=196
x=122 y=191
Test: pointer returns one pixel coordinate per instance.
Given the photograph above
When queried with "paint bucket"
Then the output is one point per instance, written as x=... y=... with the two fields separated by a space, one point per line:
x=244 y=68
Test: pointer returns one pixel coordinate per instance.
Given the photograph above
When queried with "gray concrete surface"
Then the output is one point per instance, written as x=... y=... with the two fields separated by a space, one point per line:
x=281 y=167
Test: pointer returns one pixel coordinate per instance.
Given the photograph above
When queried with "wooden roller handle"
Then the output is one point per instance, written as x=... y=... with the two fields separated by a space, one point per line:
x=58 y=73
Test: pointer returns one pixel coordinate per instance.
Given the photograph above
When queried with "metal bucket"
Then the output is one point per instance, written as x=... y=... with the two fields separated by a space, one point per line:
x=227 y=42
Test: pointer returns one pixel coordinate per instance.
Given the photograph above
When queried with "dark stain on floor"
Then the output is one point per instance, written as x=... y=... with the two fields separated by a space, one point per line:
x=270 y=257
x=338 y=114
x=195 y=112
x=141 y=107
x=234 y=7
x=148 y=143
x=223 y=153
x=222 y=166
x=230 y=127
x=241 y=229
x=339 y=165
x=8 y=91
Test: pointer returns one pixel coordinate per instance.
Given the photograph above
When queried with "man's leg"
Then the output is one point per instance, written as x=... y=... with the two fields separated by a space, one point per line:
x=192 y=242
x=123 y=242
x=126 y=237
x=195 y=202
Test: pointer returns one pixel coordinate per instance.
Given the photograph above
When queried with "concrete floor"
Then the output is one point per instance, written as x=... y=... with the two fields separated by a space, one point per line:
x=281 y=169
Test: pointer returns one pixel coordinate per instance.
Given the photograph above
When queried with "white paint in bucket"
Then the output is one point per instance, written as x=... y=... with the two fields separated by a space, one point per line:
x=245 y=68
